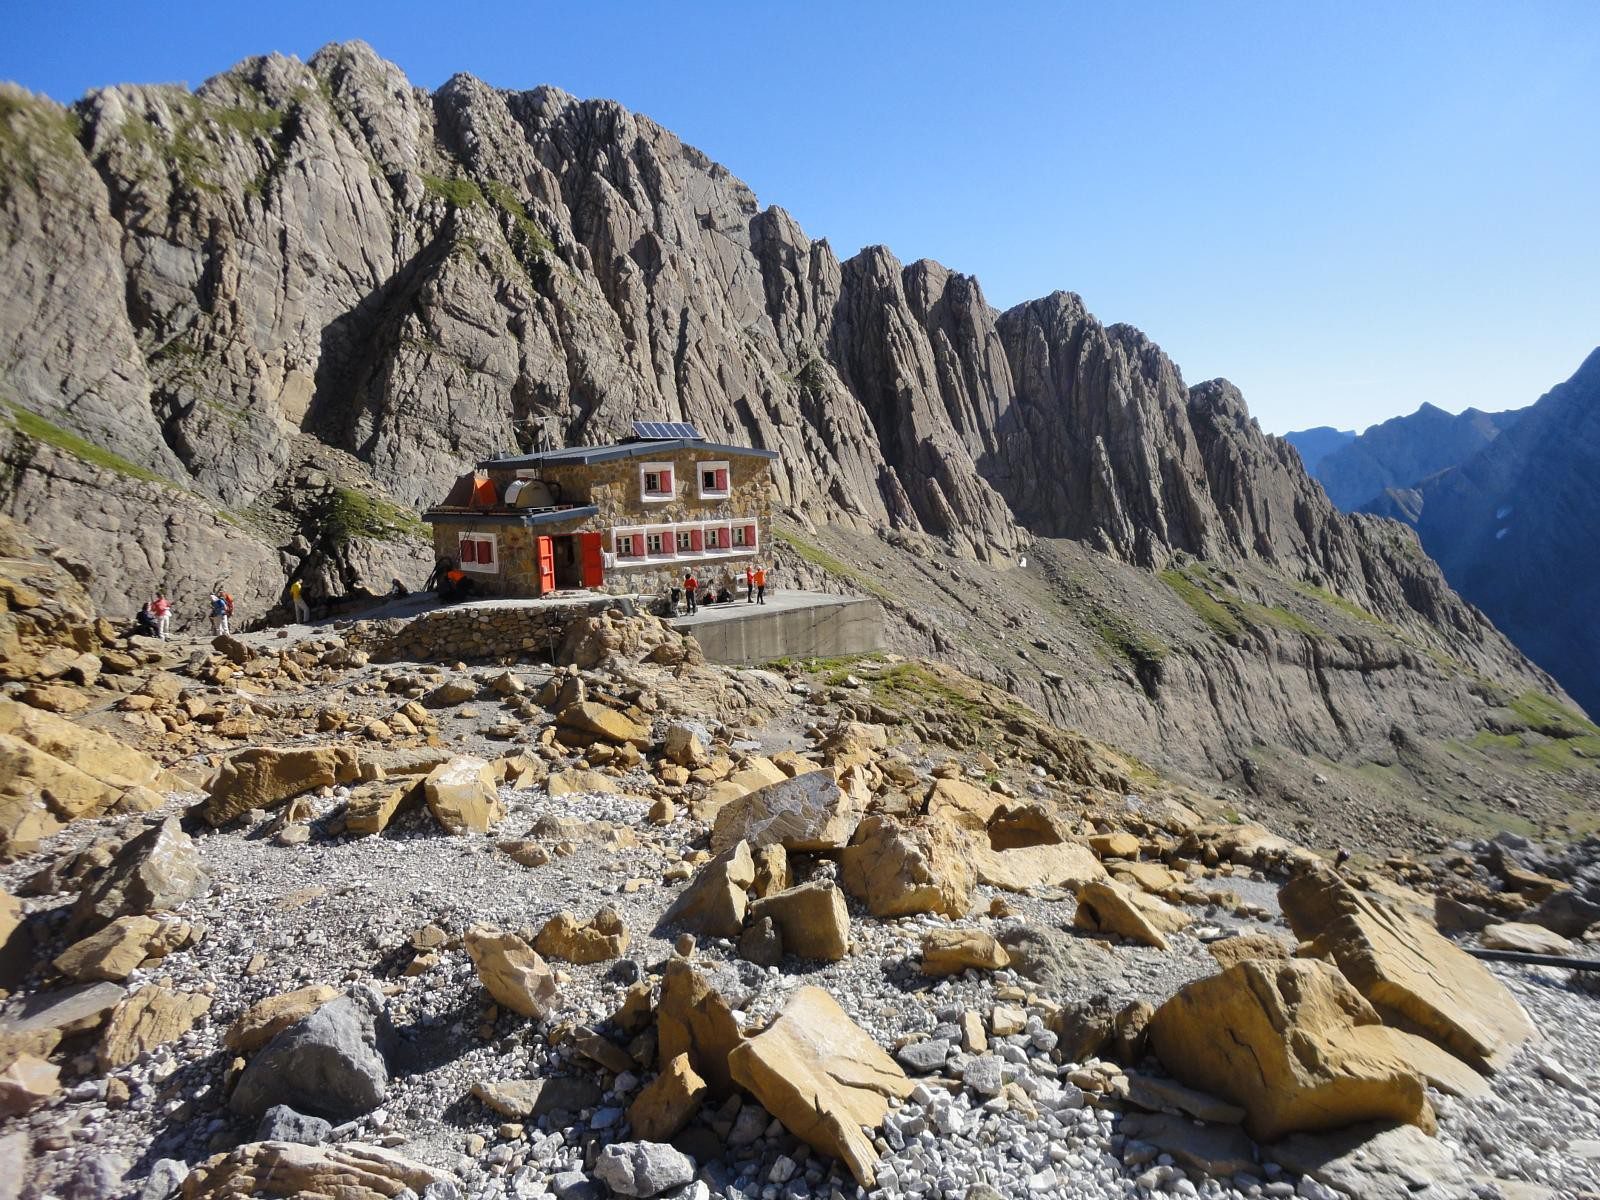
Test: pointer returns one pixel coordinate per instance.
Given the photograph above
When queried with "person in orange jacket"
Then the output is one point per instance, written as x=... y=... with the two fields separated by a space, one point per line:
x=761 y=585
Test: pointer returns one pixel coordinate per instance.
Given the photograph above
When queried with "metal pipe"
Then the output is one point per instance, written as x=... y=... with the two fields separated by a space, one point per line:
x=1534 y=960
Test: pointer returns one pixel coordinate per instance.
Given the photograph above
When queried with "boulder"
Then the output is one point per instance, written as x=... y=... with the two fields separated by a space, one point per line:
x=28 y=776
x=149 y=1017
x=1110 y=907
x=464 y=795
x=1529 y=939
x=522 y=1099
x=157 y=870
x=602 y=937
x=266 y=1019
x=266 y=776
x=95 y=754
x=1293 y=1044
x=26 y=1082
x=772 y=869
x=761 y=943
x=512 y=972
x=756 y=773
x=693 y=1019
x=1059 y=864
x=668 y=1101
x=823 y=1077
x=451 y=692
x=812 y=918
x=1119 y=844
x=1241 y=946
x=1375 y=1162
x=1215 y=1150
x=714 y=903
x=116 y=951
x=897 y=868
x=961 y=803
x=16 y=943
x=808 y=812
x=281 y=1123
x=601 y=722
x=1406 y=968
x=328 y=1064
x=952 y=951
x=348 y=1171
x=575 y=782
x=371 y=808
x=43 y=1019
x=643 y=1168
x=685 y=745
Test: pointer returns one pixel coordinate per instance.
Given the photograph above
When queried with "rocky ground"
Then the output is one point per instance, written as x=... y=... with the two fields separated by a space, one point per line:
x=281 y=917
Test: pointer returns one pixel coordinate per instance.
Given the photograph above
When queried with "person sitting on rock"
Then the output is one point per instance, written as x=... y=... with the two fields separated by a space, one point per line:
x=145 y=623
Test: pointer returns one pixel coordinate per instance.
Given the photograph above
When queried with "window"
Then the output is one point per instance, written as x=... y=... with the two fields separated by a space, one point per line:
x=629 y=545
x=685 y=542
x=713 y=478
x=479 y=552
x=738 y=535
x=656 y=482
x=716 y=538
x=652 y=543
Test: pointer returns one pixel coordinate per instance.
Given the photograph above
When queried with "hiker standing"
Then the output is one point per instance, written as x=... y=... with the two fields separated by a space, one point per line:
x=227 y=613
x=691 y=589
x=761 y=585
x=302 y=611
x=219 y=615
x=161 y=610
x=749 y=585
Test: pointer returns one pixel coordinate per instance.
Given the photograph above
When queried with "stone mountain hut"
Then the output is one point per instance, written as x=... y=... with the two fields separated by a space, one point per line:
x=630 y=517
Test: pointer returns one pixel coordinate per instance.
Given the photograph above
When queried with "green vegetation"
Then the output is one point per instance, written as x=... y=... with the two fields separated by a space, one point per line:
x=250 y=122
x=33 y=133
x=351 y=514
x=1122 y=638
x=1229 y=614
x=528 y=240
x=819 y=557
x=1545 y=715
x=1333 y=600
x=459 y=191
x=840 y=665
x=32 y=425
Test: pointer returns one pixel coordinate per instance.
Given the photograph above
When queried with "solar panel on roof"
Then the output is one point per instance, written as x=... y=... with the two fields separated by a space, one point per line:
x=663 y=430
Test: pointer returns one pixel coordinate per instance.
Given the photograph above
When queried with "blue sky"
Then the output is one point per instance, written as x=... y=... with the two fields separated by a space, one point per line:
x=1346 y=208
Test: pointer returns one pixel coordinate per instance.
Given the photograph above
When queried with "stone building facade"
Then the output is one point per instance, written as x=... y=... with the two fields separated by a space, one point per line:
x=632 y=517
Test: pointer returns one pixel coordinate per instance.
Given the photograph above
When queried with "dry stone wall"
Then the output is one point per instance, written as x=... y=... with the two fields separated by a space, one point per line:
x=494 y=631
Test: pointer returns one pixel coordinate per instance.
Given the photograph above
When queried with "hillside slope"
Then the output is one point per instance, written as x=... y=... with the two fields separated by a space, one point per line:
x=255 y=326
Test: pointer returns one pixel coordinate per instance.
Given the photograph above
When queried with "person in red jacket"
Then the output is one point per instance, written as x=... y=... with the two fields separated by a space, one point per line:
x=161 y=610
x=691 y=588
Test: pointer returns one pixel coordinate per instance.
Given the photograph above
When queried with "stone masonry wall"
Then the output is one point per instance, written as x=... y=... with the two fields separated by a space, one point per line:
x=490 y=632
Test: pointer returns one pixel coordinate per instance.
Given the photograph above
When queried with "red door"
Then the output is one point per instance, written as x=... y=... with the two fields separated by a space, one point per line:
x=547 y=566
x=594 y=573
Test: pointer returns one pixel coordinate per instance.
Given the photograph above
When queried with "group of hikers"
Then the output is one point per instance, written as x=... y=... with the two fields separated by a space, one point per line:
x=155 y=615
x=694 y=594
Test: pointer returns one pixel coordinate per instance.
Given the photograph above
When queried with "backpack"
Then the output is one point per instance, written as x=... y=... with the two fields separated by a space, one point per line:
x=227 y=604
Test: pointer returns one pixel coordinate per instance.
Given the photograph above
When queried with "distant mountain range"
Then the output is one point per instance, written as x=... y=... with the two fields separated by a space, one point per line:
x=1507 y=503
x=1397 y=453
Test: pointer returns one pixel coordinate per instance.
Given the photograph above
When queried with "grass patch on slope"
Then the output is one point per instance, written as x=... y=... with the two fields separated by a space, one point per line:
x=31 y=424
x=459 y=190
x=352 y=514
x=819 y=557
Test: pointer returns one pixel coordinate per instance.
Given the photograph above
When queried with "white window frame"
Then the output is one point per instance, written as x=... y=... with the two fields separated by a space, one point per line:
x=494 y=542
x=668 y=533
x=700 y=469
x=655 y=468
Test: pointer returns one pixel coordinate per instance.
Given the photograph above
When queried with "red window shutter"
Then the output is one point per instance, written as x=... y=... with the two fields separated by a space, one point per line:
x=697 y=539
x=468 y=550
x=750 y=536
x=722 y=479
x=666 y=480
x=486 y=553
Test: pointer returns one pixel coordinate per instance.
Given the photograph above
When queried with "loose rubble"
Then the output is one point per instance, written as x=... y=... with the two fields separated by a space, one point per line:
x=633 y=925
